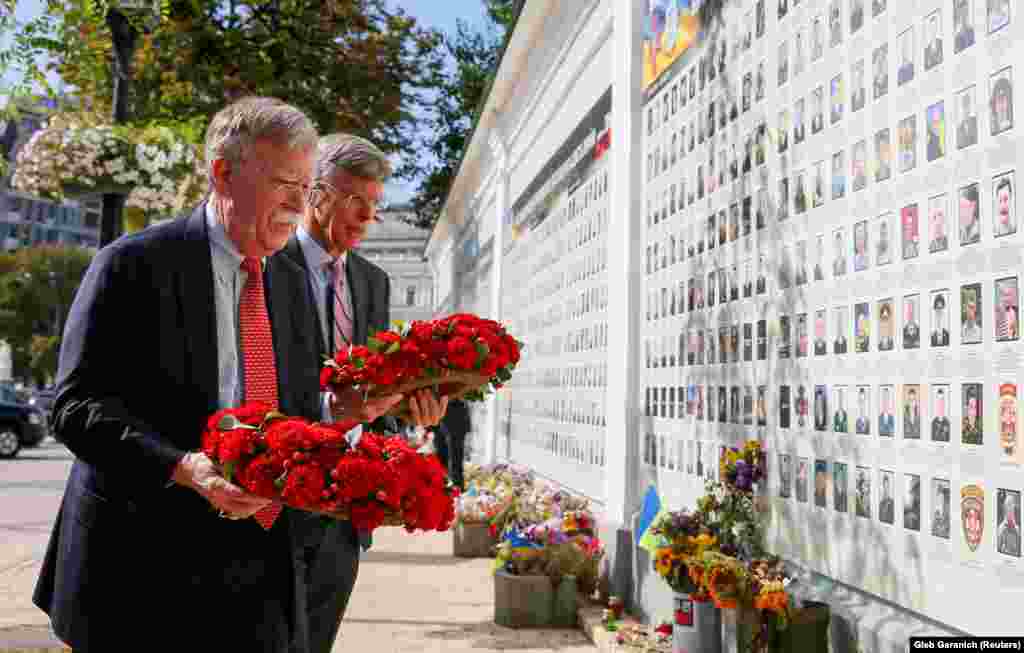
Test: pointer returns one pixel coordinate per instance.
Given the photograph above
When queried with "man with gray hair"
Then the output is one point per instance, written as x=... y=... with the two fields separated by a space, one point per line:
x=149 y=535
x=350 y=297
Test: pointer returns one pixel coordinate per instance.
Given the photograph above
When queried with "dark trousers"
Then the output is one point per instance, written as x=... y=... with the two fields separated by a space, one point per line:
x=451 y=450
x=328 y=560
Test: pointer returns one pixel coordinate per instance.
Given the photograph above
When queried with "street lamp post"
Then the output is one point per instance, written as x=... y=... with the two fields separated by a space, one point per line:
x=124 y=36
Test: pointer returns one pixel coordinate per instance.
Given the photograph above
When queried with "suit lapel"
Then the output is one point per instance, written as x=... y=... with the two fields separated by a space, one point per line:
x=360 y=288
x=293 y=253
x=282 y=279
x=195 y=296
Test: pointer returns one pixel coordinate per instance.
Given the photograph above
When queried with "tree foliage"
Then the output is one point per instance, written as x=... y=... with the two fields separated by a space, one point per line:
x=474 y=57
x=352 y=65
x=37 y=286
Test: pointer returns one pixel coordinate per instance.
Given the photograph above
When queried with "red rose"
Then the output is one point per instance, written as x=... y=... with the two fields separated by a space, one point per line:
x=286 y=436
x=388 y=337
x=367 y=515
x=234 y=445
x=461 y=353
x=258 y=475
x=304 y=485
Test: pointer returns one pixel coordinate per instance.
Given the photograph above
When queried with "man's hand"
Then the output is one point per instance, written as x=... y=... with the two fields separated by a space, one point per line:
x=426 y=409
x=348 y=404
x=198 y=472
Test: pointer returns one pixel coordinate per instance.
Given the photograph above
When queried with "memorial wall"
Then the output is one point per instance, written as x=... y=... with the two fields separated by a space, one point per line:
x=829 y=260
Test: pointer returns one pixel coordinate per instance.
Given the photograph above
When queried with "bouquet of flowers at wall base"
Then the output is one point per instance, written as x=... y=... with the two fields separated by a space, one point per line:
x=561 y=546
x=684 y=537
x=724 y=578
x=480 y=505
x=461 y=356
x=311 y=466
x=515 y=476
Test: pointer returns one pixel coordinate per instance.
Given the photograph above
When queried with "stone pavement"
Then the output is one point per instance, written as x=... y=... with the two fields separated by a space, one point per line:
x=411 y=595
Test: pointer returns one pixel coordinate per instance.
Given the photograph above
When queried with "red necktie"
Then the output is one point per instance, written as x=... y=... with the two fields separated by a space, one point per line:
x=258 y=355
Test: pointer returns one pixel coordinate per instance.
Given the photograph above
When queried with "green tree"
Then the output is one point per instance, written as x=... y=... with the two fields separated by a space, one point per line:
x=474 y=56
x=352 y=65
x=37 y=286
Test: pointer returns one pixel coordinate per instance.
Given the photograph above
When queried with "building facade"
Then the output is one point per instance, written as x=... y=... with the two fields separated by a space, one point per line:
x=706 y=234
x=397 y=247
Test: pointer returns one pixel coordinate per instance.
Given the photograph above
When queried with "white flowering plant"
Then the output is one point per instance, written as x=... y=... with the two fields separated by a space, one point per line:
x=159 y=169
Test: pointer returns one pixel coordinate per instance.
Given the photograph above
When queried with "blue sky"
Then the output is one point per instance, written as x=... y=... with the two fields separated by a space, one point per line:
x=441 y=14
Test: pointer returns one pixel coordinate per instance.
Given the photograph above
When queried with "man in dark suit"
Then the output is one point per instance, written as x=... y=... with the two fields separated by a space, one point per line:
x=149 y=535
x=350 y=299
x=451 y=440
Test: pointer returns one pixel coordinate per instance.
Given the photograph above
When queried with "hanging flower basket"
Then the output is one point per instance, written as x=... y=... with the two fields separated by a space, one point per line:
x=156 y=167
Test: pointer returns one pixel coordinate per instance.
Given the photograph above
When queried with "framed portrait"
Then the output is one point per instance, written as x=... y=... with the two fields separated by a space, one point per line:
x=911 y=321
x=906 y=131
x=940 y=318
x=937 y=227
x=966 y=118
x=802 y=470
x=785 y=475
x=886 y=502
x=912 y=412
x=905 y=72
x=819 y=257
x=783 y=204
x=821 y=482
x=820 y=333
x=933 y=53
x=935 y=116
x=856 y=15
x=886 y=411
x=883 y=155
x=798 y=53
x=800 y=196
x=941 y=506
x=1004 y=213
x=839 y=487
x=839 y=253
x=821 y=408
x=998 y=18
x=840 y=416
x=783 y=131
x=785 y=409
x=1009 y=440
x=862 y=327
x=941 y=426
x=972 y=423
x=963 y=25
x=783 y=73
x=818 y=107
x=969 y=214
x=840 y=330
x=886 y=324
x=759 y=11
x=801 y=263
x=911 y=234
x=761 y=406
x=836 y=94
x=838 y=175
x=880 y=71
x=1001 y=101
x=971 y=323
x=817 y=38
x=883 y=239
x=835 y=22
x=862 y=492
x=1008 y=521
x=818 y=192
x=858 y=94
x=862 y=422
x=1006 y=309
x=798 y=121
x=861 y=251
x=785 y=337
x=760 y=82
x=912 y=502
x=762 y=340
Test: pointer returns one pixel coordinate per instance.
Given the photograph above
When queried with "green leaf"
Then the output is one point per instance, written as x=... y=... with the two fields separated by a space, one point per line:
x=482 y=349
x=393 y=348
x=375 y=345
x=229 y=470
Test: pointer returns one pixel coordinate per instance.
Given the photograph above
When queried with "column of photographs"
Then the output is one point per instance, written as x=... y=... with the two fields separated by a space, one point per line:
x=710 y=208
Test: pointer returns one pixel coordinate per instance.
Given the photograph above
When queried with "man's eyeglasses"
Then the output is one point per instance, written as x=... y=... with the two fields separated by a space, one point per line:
x=348 y=201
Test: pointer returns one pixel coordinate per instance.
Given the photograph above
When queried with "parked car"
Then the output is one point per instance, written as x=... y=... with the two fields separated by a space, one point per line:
x=21 y=425
x=43 y=401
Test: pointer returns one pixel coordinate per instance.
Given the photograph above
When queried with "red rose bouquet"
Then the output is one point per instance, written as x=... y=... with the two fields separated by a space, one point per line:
x=311 y=466
x=461 y=356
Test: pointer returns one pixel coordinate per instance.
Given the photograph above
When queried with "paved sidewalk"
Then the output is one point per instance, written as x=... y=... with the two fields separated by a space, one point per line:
x=411 y=595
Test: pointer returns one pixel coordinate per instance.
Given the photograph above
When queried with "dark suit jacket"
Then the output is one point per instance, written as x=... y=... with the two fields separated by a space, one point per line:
x=136 y=383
